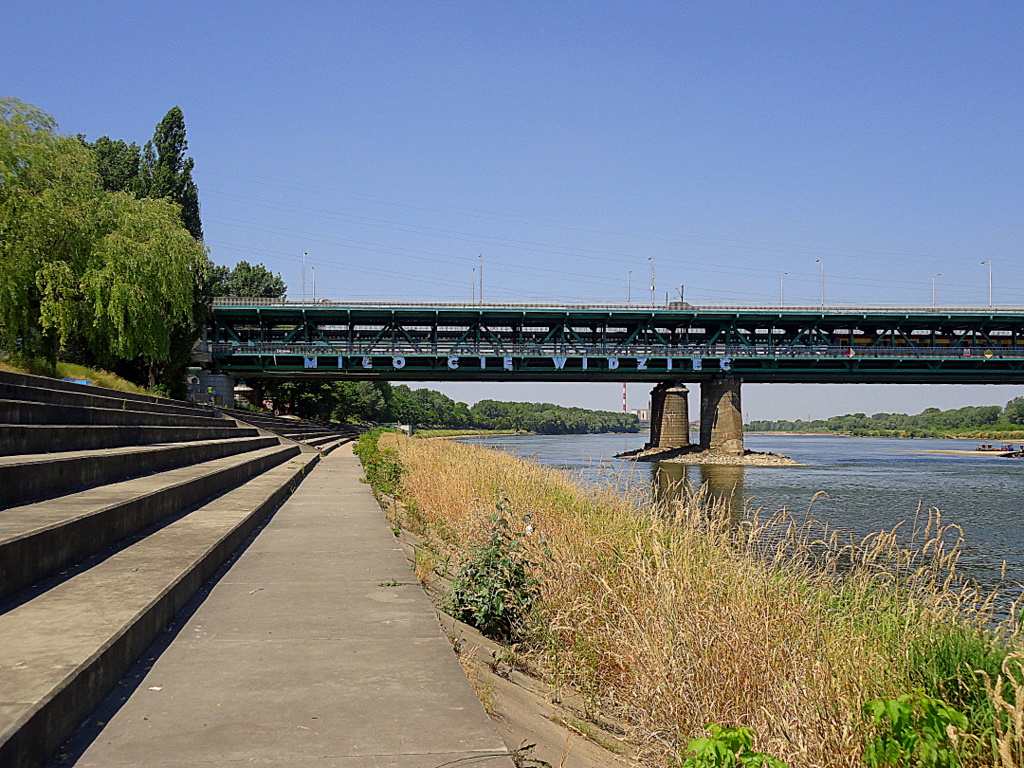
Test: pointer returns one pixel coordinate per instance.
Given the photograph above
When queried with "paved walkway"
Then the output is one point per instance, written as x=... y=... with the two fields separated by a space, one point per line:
x=304 y=655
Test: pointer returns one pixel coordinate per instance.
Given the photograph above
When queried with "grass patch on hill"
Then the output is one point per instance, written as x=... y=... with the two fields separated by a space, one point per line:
x=70 y=371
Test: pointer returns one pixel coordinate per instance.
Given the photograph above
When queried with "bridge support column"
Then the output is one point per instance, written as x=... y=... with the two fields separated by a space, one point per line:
x=721 y=417
x=670 y=416
x=216 y=389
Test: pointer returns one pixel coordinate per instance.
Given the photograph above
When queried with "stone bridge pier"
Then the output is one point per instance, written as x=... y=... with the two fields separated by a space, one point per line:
x=670 y=416
x=721 y=416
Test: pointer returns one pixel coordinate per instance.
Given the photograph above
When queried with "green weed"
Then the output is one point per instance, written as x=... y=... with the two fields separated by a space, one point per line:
x=946 y=663
x=493 y=590
x=382 y=467
x=728 y=748
x=914 y=730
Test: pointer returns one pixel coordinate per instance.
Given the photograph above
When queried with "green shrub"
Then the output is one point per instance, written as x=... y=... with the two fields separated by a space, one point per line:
x=728 y=748
x=914 y=730
x=493 y=590
x=945 y=663
x=382 y=467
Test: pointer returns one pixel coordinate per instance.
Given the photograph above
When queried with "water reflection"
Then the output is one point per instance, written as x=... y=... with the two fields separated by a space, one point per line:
x=724 y=483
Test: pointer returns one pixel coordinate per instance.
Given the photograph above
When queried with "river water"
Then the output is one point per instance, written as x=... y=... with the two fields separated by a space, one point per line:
x=869 y=484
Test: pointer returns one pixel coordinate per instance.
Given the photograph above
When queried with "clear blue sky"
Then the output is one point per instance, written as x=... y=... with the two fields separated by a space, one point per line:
x=568 y=142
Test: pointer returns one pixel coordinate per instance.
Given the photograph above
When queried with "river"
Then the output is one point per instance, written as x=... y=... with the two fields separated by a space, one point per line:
x=870 y=484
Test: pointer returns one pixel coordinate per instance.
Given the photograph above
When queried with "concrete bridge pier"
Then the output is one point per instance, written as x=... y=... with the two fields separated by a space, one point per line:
x=216 y=388
x=670 y=416
x=721 y=417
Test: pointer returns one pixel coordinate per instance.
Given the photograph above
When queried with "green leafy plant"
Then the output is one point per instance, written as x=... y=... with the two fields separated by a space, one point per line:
x=493 y=590
x=728 y=747
x=914 y=730
x=382 y=467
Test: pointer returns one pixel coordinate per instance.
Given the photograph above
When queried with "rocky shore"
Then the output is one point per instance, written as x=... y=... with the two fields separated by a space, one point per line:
x=694 y=455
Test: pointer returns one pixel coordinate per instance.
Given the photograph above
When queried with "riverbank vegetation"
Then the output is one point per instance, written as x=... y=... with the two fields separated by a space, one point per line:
x=380 y=401
x=430 y=433
x=672 y=616
x=982 y=422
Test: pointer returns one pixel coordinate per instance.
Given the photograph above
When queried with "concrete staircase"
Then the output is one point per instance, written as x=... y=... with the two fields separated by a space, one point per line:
x=115 y=508
x=322 y=435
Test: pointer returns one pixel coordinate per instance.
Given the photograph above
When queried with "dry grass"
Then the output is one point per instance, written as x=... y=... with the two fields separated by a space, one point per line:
x=674 y=617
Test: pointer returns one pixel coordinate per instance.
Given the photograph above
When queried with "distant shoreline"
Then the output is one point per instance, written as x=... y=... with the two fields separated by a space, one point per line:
x=801 y=434
x=1013 y=437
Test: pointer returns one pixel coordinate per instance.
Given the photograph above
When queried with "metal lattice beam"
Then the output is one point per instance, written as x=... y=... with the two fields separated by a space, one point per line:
x=618 y=343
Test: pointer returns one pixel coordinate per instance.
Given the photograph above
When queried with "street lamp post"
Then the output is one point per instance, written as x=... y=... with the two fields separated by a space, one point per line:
x=651 y=259
x=822 y=262
x=313 y=267
x=989 y=262
x=937 y=274
x=304 y=255
x=782 y=295
x=629 y=284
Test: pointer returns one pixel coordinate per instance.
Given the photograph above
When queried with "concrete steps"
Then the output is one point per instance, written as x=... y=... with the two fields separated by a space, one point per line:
x=41 y=539
x=53 y=438
x=323 y=436
x=114 y=510
x=71 y=645
x=27 y=412
x=43 y=382
x=31 y=477
x=13 y=391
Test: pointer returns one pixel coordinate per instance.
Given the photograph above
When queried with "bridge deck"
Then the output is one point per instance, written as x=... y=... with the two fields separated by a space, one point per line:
x=301 y=656
x=252 y=337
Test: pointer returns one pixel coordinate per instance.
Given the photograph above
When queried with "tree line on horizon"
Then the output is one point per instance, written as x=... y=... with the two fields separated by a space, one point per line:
x=931 y=422
x=382 y=402
x=101 y=255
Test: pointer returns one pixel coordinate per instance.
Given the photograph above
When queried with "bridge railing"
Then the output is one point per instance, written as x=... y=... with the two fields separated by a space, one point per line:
x=631 y=351
x=242 y=302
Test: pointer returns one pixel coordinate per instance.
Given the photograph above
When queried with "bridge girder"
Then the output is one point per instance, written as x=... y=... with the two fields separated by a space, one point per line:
x=619 y=343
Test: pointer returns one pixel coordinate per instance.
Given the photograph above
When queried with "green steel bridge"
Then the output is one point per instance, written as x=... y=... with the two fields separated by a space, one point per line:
x=677 y=342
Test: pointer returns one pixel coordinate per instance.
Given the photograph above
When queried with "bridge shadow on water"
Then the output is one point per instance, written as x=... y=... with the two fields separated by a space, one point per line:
x=721 y=483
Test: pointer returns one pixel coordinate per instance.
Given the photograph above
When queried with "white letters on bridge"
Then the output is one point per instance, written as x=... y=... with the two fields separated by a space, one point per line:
x=398 y=362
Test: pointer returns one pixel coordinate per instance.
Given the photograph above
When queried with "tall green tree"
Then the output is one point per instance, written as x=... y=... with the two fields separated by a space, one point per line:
x=166 y=171
x=48 y=185
x=84 y=270
x=116 y=162
x=253 y=280
x=1014 y=411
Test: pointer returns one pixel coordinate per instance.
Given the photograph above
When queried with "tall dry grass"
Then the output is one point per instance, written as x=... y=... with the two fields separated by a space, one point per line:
x=673 y=616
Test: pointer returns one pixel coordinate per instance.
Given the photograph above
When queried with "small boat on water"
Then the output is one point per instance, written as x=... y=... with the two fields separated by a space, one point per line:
x=990 y=448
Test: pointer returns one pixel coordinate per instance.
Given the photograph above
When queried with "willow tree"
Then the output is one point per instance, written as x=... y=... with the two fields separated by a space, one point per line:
x=48 y=187
x=84 y=270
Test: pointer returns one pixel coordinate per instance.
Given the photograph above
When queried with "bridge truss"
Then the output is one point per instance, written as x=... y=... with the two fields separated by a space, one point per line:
x=254 y=337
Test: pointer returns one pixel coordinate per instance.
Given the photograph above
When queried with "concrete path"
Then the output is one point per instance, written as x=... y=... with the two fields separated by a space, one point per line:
x=306 y=654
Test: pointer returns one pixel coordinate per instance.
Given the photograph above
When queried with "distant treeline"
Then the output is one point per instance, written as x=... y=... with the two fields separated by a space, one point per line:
x=930 y=422
x=381 y=402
